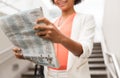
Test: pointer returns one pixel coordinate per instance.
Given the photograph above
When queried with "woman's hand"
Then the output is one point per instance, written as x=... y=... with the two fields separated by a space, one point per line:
x=48 y=30
x=18 y=53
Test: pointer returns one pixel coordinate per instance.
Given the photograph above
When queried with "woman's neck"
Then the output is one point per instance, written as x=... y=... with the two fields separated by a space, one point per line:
x=66 y=13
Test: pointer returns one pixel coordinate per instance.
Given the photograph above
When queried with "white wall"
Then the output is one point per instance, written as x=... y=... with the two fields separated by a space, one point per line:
x=4 y=42
x=111 y=26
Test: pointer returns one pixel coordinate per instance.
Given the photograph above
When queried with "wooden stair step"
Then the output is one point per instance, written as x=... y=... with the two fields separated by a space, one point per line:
x=97 y=67
x=96 y=44
x=96 y=56
x=95 y=61
x=98 y=74
x=97 y=51
x=96 y=48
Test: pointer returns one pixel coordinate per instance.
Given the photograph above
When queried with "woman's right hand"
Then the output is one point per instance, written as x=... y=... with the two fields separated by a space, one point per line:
x=18 y=53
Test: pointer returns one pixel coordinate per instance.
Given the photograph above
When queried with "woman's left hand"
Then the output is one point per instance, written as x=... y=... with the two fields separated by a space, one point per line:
x=48 y=30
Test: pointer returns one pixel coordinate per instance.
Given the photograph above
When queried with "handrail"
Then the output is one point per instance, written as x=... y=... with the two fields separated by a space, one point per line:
x=107 y=54
x=115 y=63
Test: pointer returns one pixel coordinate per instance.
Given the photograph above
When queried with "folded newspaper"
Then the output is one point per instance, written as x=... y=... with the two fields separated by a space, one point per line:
x=19 y=30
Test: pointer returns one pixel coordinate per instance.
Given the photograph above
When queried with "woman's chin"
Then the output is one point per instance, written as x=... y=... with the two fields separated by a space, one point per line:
x=63 y=8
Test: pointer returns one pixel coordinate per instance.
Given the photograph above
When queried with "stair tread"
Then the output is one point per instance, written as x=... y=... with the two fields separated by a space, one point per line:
x=98 y=72
x=97 y=44
x=95 y=59
x=97 y=47
x=97 y=65
x=96 y=50
x=28 y=73
x=96 y=56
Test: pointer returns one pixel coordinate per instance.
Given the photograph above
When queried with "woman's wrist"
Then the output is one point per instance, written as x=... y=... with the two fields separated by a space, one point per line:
x=63 y=39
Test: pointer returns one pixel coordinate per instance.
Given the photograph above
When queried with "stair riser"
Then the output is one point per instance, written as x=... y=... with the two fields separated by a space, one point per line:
x=98 y=76
x=100 y=62
x=97 y=51
x=96 y=44
x=97 y=48
x=96 y=57
x=29 y=76
x=98 y=68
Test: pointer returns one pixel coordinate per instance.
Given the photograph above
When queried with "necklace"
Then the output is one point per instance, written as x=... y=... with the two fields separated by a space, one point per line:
x=61 y=21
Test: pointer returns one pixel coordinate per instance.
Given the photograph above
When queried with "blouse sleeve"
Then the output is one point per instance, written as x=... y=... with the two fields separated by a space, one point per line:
x=86 y=37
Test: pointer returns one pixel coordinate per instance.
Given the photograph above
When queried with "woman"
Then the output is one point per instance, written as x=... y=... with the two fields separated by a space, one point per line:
x=73 y=35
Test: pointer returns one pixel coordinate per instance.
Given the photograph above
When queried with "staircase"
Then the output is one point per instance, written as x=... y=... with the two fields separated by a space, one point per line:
x=96 y=64
x=31 y=74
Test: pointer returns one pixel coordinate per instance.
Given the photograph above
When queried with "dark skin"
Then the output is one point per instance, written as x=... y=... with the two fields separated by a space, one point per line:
x=51 y=32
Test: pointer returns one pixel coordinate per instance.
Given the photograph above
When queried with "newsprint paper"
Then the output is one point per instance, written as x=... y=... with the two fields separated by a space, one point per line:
x=19 y=30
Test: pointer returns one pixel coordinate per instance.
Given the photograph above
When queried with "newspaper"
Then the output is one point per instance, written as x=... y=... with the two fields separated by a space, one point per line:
x=19 y=30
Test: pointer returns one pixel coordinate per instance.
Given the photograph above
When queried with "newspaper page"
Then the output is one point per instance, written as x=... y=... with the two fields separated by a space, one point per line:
x=19 y=30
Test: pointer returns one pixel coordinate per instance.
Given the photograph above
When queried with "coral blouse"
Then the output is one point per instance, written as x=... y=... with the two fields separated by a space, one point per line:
x=61 y=51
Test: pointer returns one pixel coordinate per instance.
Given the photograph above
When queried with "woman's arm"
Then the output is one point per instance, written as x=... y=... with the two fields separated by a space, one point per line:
x=49 y=31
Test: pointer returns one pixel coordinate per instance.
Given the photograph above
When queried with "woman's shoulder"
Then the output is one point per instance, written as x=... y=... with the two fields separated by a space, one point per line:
x=83 y=16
